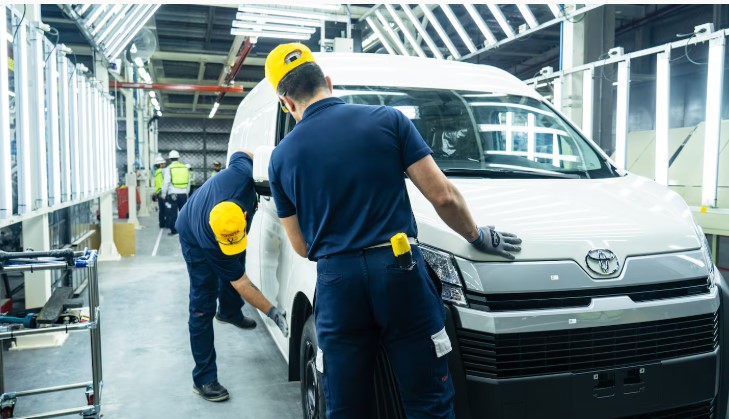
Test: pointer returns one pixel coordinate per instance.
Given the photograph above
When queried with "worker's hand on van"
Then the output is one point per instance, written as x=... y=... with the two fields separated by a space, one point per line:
x=497 y=243
x=279 y=316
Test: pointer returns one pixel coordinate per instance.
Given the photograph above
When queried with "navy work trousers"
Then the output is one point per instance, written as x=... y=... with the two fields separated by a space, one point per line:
x=205 y=289
x=176 y=202
x=162 y=212
x=364 y=301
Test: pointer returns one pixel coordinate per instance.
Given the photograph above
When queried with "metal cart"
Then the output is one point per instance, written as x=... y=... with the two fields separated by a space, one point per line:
x=69 y=260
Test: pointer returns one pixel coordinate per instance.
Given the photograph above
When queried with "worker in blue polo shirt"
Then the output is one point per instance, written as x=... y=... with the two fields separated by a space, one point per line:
x=338 y=184
x=213 y=228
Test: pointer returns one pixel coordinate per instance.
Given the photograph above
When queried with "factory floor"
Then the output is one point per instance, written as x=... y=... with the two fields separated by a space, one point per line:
x=147 y=362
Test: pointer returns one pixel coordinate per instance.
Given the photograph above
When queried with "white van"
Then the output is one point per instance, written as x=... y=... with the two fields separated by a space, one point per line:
x=613 y=307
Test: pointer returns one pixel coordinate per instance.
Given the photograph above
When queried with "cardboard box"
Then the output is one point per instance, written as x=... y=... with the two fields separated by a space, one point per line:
x=125 y=239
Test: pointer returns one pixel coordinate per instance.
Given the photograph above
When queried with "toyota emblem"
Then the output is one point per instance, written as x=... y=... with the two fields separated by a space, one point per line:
x=602 y=262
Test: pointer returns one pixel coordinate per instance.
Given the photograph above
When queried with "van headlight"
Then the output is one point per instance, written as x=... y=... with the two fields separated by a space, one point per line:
x=706 y=252
x=444 y=266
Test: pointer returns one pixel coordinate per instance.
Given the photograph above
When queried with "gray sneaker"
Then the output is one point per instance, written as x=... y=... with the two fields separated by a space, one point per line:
x=212 y=392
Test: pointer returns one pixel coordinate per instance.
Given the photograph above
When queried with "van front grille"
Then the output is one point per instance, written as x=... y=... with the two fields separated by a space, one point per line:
x=583 y=298
x=578 y=350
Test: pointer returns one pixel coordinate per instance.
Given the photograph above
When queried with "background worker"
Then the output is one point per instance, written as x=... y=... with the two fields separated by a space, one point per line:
x=158 y=182
x=217 y=166
x=339 y=159
x=175 y=188
x=213 y=230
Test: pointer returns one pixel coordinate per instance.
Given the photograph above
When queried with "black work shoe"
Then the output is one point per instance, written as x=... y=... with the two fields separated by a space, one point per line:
x=172 y=233
x=243 y=322
x=212 y=392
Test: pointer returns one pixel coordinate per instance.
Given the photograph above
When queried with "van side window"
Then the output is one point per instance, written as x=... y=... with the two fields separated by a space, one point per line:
x=284 y=125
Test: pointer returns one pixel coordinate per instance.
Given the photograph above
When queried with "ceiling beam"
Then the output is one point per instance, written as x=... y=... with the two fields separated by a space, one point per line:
x=177 y=80
x=200 y=76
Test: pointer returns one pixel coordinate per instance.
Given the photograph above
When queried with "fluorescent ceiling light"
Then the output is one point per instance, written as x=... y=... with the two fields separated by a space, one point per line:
x=277 y=19
x=329 y=7
x=136 y=26
x=283 y=12
x=152 y=93
x=115 y=25
x=129 y=22
x=395 y=37
x=441 y=32
x=528 y=15
x=555 y=9
x=423 y=33
x=138 y=61
x=490 y=38
x=144 y=75
x=379 y=34
x=155 y=102
x=265 y=34
x=494 y=8
x=215 y=109
x=459 y=28
x=95 y=15
x=404 y=29
x=114 y=10
x=159 y=113
x=275 y=28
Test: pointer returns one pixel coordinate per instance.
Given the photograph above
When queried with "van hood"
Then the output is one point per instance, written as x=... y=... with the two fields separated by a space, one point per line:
x=564 y=219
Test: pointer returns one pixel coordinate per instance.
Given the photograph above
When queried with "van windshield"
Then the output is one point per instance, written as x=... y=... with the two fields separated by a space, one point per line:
x=489 y=134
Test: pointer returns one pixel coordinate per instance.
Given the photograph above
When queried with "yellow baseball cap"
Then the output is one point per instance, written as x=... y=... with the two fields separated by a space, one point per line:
x=285 y=58
x=228 y=222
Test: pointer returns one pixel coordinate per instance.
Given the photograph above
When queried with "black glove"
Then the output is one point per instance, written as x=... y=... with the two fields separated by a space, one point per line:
x=279 y=316
x=497 y=243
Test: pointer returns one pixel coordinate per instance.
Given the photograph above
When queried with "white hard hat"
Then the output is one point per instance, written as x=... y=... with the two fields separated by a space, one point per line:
x=159 y=160
x=174 y=154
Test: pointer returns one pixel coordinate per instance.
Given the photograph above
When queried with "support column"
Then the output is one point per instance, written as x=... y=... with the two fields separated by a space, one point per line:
x=131 y=175
x=584 y=40
x=107 y=248
x=143 y=153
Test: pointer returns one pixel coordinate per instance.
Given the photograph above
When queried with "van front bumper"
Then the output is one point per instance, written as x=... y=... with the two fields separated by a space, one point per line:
x=682 y=386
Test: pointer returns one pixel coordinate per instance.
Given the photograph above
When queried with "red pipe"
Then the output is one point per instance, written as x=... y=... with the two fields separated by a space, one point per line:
x=176 y=87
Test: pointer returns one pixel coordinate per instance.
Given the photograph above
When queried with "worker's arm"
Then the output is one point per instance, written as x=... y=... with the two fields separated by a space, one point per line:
x=451 y=208
x=251 y=293
x=445 y=197
x=166 y=181
x=291 y=225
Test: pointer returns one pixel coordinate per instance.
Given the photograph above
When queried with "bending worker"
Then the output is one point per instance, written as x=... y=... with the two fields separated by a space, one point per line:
x=175 y=188
x=213 y=230
x=337 y=181
x=158 y=182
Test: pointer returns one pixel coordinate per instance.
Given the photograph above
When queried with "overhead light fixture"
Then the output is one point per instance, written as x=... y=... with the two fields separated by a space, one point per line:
x=144 y=75
x=441 y=32
x=494 y=8
x=385 y=24
x=421 y=31
x=152 y=93
x=261 y=19
x=459 y=28
x=528 y=15
x=159 y=113
x=283 y=12
x=215 y=109
x=265 y=34
x=380 y=35
x=155 y=102
x=95 y=15
x=712 y=135
x=115 y=25
x=134 y=28
x=138 y=61
x=404 y=29
x=114 y=10
x=268 y=27
x=490 y=38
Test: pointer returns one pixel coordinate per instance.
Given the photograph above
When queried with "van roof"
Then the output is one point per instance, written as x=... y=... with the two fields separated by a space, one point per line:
x=402 y=71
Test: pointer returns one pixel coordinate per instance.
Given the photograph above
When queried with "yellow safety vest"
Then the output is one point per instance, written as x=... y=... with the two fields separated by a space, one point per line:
x=179 y=175
x=213 y=173
x=158 y=180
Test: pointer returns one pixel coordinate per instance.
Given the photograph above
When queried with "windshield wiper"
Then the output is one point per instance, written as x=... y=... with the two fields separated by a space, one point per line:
x=506 y=173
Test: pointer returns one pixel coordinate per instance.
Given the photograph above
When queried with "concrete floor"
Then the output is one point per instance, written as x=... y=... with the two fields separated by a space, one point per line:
x=147 y=362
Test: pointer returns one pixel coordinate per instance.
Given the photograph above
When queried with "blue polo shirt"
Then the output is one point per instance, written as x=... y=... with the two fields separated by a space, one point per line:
x=234 y=183
x=340 y=170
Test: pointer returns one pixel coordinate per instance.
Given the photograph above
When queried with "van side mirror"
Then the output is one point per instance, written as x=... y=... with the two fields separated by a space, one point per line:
x=261 y=159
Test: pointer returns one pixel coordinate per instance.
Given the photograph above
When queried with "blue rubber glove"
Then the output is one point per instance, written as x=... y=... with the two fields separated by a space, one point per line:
x=279 y=316
x=497 y=243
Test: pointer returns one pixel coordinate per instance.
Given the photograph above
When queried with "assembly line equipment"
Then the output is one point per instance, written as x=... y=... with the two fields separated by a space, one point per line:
x=64 y=259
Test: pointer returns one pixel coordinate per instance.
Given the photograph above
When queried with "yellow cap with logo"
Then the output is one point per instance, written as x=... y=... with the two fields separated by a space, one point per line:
x=285 y=58
x=228 y=222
